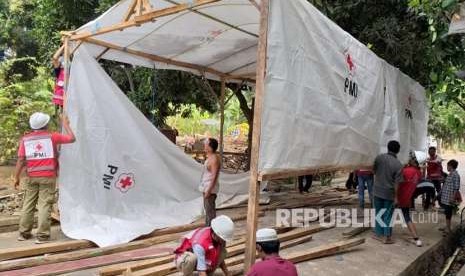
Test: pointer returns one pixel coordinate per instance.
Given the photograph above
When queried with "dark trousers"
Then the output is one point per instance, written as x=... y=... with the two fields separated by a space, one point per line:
x=305 y=187
x=210 y=209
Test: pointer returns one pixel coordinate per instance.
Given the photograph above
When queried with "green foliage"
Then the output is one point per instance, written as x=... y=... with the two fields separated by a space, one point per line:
x=18 y=100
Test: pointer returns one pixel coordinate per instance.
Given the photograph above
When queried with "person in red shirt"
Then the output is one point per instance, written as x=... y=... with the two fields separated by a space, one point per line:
x=39 y=155
x=411 y=176
x=268 y=250
x=434 y=171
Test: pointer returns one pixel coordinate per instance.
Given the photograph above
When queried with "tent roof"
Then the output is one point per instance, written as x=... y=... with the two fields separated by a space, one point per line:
x=214 y=38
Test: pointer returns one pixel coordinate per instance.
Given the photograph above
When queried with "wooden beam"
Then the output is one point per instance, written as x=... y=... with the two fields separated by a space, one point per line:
x=310 y=254
x=163 y=235
x=157 y=58
x=286 y=173
x=223 y=91
x=130 y=10
x=254 y=193
x=253 y=2
x=138 y=20
x=301 y=233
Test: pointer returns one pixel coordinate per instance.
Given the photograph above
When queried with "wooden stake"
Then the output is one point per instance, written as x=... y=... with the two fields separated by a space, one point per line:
x=259 y=94
x=223 y=91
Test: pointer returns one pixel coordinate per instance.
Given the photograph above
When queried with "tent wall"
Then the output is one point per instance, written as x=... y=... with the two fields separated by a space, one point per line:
x=122 y=177
x=325 y=96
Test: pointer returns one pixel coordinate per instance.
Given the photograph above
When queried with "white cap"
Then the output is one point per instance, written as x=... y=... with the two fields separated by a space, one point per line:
x=38 y=120
x=266 y=234
x=223 y=227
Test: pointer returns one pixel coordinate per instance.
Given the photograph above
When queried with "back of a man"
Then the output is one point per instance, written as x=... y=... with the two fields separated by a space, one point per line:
x=387 y=169
x=268 y=250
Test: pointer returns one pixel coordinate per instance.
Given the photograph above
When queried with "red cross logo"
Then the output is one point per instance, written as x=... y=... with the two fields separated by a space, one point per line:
x=126 y=182
x=350 y=63
x=39 y=147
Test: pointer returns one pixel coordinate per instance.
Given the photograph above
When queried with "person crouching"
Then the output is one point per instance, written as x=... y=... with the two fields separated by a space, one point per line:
x=205 y=250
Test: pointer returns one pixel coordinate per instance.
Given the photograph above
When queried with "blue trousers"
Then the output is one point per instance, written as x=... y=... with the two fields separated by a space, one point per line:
x=388 y=207
x=365 y=181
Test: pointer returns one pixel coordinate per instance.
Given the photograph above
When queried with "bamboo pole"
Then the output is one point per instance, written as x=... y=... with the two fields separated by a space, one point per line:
x=161 y=59
x=223 y=91
x=138 y=20
x=66 y=73
x=252 y=210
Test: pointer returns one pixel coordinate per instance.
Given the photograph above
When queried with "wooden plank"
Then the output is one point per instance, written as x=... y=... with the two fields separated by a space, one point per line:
x=34 y=250
x=299 y=233
x=222 y=95
x=77 y=265
x=280 y=174
x=354 y=232
x=254 y=192
x=88 y=253
x=156 y=237
x=312 y=253
x=144 y=18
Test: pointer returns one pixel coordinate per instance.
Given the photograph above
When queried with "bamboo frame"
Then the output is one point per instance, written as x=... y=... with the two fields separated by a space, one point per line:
x=138 y=20
x=254 y=193
x=66 y=73
x=223 y=91
x=157 y=58
x=280 y=174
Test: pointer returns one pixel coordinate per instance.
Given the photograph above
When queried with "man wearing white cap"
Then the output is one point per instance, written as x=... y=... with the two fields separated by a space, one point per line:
x=267 y=245
x=38 y=154
x=204 y=250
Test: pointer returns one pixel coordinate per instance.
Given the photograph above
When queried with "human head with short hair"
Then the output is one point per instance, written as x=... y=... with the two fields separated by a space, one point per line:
x=211 y=145
x=452 y=165
x=432 y=151
x=393 y=146
x=267 y=242
x=39 y=121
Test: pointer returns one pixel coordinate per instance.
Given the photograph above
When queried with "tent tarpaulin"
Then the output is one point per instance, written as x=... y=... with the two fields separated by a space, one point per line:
x=122 y=178
x=328 y=99
x=222 y=36
x=328 y=102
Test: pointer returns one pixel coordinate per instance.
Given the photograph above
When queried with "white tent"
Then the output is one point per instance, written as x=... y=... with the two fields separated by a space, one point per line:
x=323 y=100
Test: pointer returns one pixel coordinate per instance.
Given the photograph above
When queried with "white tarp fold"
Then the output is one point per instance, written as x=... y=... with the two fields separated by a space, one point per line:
x=122 y=177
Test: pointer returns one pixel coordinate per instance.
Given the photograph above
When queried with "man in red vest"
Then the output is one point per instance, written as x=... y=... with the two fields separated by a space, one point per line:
x=205 y=249
x=434 y=172
x=38 y=154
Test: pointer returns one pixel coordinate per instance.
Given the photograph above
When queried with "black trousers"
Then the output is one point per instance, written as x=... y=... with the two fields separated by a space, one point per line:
x=305 y=187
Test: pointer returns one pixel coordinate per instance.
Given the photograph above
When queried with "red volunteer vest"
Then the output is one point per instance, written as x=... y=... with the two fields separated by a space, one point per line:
x=202 y=237
x=434 y=170
x=40 y=152
x=58 y=91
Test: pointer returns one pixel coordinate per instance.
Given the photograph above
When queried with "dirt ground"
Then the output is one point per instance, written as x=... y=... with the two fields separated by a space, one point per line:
x=371 y=258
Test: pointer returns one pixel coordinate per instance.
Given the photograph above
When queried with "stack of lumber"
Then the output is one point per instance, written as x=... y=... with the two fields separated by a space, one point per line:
x=152 y=254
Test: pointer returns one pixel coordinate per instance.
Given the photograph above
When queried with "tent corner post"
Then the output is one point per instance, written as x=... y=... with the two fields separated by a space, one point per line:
x=66 y=72
x=223 y=91
x=254 y=193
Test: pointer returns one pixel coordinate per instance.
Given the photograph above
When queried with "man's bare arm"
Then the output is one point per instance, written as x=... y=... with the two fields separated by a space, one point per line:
x=68 y=130
x=20 y=164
